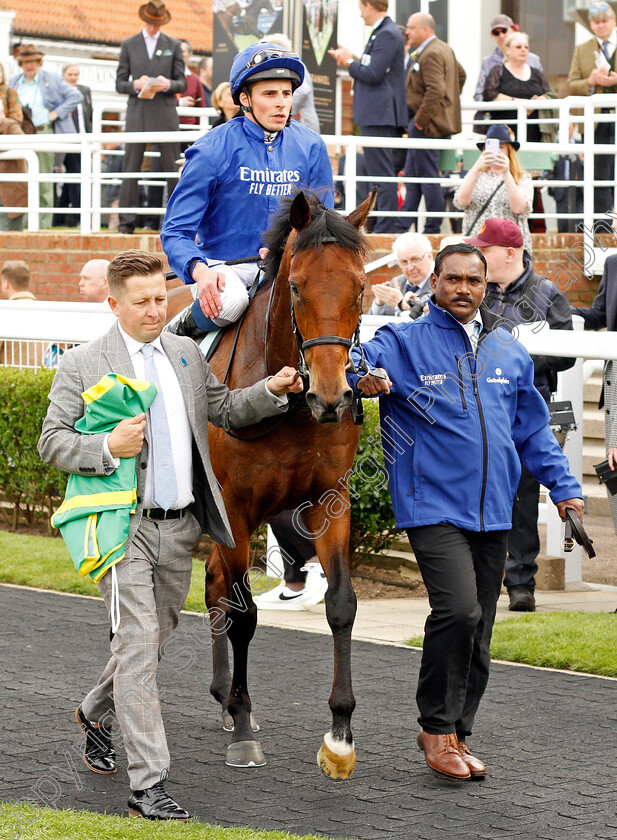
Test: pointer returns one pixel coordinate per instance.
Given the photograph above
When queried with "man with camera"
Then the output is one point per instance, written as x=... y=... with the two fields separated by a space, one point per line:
x=407 y=293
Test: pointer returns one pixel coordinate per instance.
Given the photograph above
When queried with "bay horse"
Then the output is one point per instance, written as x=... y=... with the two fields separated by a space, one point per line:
x=305 y=314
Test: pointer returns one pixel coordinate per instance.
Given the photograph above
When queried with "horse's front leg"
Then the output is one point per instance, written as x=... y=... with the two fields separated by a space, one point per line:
x=337 y=755
x=216 y=591
x=241 y=621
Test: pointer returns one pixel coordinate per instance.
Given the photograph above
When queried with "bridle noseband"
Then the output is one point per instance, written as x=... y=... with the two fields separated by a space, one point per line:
x=350 y=343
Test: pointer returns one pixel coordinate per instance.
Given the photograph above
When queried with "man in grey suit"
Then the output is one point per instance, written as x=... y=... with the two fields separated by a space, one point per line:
x=154 y=59
x=147 y=588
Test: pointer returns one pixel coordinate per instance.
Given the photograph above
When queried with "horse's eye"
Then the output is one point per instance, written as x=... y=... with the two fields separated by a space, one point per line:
x=294 y=290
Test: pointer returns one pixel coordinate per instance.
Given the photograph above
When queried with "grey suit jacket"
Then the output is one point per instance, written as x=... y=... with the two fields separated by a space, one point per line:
x=205 y=399
x=158 y=114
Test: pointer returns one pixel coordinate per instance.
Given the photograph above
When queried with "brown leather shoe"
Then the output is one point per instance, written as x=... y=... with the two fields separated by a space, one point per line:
x=442 y=755
x=477 y=768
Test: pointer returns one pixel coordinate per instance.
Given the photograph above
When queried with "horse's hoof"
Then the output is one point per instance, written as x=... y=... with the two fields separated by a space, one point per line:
x=337 y=765
x=245 y=754
x=228 y=723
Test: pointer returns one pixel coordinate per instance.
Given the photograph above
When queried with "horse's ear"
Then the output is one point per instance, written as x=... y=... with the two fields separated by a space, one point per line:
x=300 y=212
x=358 y=216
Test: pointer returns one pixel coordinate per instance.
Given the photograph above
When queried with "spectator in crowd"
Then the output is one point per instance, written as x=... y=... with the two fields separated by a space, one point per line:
x=568 y=199
x=379 y=108
x=454 y=495
x=496 y=185
x=434 y=83
x=151 y=105
x=502 y=27
x=303 y=108
x=15 y=280
x=204 y=71
x=111 y=165
x=518 y=294
x=12 y=193
x=407 y=293
x=93 y=286
x=51 y=101
x=513 y=80
x=15 y=286
x=70 y=195
x=223 y=101
x=10 y=99
x=193 y=97
x=593 y=71
x=602 y=315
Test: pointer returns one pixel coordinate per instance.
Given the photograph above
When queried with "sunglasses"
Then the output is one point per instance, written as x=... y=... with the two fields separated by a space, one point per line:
x=499 y=31
x=598 y=7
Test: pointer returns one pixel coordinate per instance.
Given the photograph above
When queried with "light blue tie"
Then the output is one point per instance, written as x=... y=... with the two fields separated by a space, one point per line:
x=164 y=485
x=605 y=45
x=475 y=336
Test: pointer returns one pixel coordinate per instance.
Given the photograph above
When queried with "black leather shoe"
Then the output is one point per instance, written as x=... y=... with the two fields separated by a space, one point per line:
x=156 y=804
x=521 y=599
x=99 y=754
x=126 y=229
x=184 y=324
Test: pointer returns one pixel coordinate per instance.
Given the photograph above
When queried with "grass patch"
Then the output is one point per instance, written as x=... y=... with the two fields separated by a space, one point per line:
x=44 y=563
x=27 y=822
x=571 y=641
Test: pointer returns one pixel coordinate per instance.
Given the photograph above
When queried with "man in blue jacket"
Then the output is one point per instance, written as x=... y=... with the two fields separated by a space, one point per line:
x=51 y=101
x=459 y=412
x=379 y=106
x=233 y=178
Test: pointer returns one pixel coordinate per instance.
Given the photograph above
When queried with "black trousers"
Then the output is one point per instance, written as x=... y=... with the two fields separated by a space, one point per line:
x=70 y=196
x=462 y=571
x=381 y=162
x=296 y=549
x=523 y=539
x=604 y=168
x=133 y=159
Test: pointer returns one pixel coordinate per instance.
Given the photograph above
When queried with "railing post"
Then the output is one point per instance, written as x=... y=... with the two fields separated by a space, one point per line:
x=86 y=186
x=351 y=171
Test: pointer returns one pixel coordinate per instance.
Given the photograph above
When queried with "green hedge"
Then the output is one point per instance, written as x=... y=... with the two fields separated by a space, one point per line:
x=25 y=481
x=29 y=484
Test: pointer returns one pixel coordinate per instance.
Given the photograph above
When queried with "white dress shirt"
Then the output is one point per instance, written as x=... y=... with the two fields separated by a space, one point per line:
x=177 y=419
x=151 y=41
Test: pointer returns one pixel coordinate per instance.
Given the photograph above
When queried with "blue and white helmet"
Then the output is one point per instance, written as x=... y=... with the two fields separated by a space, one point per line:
x=263 y=61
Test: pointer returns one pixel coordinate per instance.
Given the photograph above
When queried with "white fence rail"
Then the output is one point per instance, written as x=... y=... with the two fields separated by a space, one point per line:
x=586 y=111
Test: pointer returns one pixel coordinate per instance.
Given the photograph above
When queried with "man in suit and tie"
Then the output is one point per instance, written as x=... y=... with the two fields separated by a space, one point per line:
x=379 y=108
x=434 y=83
x=70 y=196
x=593 y=71
x=154 y=59
x=177 y=499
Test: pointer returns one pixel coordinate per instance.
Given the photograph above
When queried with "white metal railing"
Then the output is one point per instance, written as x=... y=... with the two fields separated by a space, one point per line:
x=109 y=112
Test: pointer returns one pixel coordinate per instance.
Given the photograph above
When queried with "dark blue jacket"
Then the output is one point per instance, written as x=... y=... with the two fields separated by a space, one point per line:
x=379 y=79
x=603 y=311
x=454 y=426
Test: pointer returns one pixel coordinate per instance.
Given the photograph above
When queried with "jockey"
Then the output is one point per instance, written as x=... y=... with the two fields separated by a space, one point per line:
x=232 y=180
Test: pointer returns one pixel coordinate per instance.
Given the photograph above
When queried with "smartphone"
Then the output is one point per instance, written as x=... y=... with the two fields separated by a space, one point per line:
x=492 y=146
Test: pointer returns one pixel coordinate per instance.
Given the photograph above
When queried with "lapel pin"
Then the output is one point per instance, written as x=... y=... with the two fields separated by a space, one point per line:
x=183 y=360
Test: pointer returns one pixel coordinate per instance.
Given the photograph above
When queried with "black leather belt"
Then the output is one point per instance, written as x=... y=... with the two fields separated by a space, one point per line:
x=160 y=514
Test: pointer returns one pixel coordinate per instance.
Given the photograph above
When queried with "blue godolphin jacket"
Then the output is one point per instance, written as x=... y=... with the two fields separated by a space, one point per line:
x=455 y=427
x=231 y=183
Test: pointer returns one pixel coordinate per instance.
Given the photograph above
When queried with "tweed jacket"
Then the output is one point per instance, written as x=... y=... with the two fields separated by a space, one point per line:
x=205 y=400
x=158 y=114
x=434 y=84
x=583 y=62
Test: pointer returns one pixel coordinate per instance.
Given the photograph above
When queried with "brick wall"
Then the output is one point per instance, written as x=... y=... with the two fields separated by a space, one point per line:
x=56 y=258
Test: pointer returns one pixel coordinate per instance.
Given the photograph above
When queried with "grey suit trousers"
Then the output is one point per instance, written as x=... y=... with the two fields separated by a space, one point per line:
x=153 y=582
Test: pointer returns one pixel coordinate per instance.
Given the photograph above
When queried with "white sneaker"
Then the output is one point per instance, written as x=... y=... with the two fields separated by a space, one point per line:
x=280 y=598
x=315 y=585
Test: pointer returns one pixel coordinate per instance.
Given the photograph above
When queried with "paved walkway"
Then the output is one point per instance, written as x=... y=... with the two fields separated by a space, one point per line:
x=548 y=737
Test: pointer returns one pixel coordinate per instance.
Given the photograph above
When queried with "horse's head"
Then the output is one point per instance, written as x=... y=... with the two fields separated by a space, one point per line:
x=324 y=256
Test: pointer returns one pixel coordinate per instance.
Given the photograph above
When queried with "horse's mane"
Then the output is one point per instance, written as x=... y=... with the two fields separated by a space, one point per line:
x=326 y=225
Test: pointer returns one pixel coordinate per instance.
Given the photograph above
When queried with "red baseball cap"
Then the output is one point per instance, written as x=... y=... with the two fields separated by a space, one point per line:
x=502 y=232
